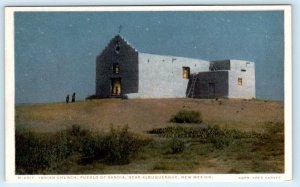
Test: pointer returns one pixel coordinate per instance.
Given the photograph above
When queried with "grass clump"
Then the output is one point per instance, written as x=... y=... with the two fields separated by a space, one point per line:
x=185 y=116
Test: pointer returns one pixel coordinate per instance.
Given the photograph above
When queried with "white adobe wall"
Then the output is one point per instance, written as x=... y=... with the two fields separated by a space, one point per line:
x=246 y=71
x=161 y=76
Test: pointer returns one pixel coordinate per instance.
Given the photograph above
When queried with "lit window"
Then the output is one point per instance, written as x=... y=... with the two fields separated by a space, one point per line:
x=240 y=81
x=185 y=72
x=116 y=68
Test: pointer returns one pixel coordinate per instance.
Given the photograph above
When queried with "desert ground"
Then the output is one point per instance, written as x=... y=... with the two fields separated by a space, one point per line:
x=262 y=152
x=145 y=114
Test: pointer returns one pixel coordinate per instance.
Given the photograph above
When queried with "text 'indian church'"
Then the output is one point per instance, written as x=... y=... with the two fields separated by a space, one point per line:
x=122 y=71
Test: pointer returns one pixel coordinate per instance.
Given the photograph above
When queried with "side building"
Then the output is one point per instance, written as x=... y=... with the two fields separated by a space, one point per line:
x=122 y=71
x=226 y=78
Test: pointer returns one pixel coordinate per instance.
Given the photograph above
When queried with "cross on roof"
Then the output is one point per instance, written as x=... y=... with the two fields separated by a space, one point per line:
x=120 y=28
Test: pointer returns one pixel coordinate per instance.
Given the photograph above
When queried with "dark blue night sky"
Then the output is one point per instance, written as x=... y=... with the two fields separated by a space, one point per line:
x=55 y=52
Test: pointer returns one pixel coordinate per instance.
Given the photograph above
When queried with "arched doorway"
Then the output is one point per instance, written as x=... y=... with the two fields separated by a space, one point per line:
x=116 y=86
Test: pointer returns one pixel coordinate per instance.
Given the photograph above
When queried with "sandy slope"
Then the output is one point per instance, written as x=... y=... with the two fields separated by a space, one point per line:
x=145 y=114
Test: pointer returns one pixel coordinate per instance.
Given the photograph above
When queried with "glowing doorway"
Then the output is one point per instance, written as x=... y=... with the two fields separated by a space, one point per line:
x=116 y=86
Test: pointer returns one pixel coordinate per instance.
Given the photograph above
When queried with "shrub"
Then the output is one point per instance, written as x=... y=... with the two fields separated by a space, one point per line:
x=27 y=159
x=176 y=146
x=76 y=137
x=94 y=147
x=36 y=152
x=220 y=142
x=185 y=116
x=121 y=145
x=116 y=148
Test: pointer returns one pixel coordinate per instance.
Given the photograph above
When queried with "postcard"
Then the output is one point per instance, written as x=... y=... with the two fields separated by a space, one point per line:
x=148 y=93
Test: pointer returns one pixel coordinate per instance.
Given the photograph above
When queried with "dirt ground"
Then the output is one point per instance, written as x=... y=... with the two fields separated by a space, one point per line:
x=145 y=114
x=246 y=155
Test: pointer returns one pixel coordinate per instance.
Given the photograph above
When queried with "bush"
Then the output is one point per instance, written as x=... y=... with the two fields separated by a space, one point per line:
x=220 y=142
x=116 y=148
x=94 y=147
x=184 y=116
x=36 y=152
x=121 y=145
x=76 y=137
x=176 y=146
x=27 y=158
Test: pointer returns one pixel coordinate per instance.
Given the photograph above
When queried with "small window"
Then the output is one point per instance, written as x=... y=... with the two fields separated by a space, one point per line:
x=240 y=81
x=185 y=72
x=116 y=68
x=117 y=47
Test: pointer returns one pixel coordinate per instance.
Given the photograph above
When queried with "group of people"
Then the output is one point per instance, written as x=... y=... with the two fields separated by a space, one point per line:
x=68 y=98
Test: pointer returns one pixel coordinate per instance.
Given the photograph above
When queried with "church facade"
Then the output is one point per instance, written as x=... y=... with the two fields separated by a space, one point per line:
x=122 y=71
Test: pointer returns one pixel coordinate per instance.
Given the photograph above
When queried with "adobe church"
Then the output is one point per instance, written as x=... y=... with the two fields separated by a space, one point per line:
x=122 y=71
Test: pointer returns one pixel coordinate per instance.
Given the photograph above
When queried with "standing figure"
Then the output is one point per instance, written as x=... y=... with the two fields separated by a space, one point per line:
x=67 y=99
x=73 y=97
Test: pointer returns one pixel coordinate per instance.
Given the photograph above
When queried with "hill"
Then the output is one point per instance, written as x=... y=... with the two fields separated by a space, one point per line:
x=145 y=114
x=239 y=136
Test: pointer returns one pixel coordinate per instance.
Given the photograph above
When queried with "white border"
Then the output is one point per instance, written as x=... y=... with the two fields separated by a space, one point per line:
x=10 y=105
